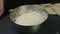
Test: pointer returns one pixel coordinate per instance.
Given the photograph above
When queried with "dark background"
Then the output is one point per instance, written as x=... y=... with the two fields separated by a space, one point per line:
x=50 y=26
x=10 y=4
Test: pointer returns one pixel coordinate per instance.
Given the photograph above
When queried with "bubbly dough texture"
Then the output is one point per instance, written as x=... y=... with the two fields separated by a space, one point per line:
x=29 y=19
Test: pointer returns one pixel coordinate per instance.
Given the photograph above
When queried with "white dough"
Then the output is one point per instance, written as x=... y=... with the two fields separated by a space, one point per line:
x=29 y=19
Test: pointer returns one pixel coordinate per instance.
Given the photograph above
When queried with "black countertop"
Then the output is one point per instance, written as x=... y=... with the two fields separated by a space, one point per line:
x=51 y=26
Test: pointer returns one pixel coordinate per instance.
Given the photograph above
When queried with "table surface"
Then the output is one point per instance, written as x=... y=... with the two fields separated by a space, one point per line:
x=6 y=26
